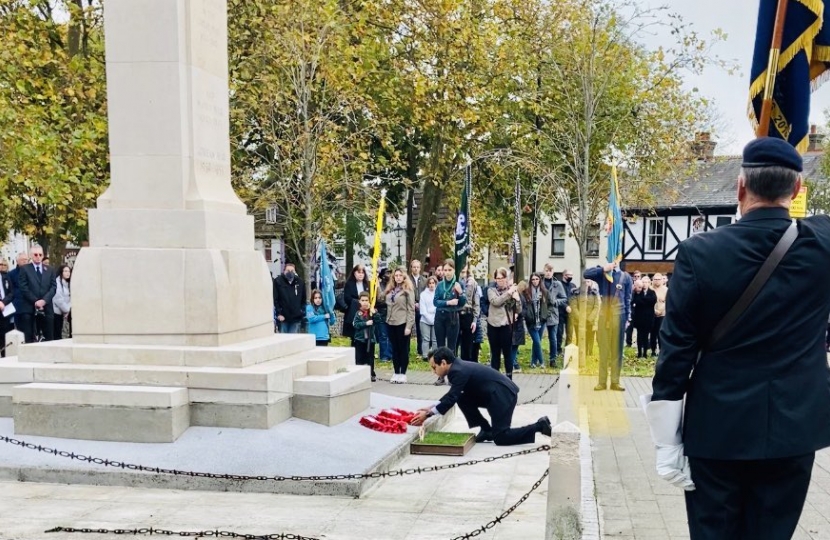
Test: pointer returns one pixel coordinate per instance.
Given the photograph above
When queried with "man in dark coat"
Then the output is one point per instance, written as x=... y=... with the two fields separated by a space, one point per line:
x=477 y=386
x=38 y=285
x=289 y=300
x=757 y=404
x=6 y=299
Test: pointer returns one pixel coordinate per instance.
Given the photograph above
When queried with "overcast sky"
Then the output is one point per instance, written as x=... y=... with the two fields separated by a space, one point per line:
x=730 y=92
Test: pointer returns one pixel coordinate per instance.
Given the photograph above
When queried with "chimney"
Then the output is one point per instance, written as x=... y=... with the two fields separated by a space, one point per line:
x=816 y=140
x=703 y=147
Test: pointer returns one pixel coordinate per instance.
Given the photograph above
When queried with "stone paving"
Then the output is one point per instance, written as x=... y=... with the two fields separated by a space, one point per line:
x=635 y=503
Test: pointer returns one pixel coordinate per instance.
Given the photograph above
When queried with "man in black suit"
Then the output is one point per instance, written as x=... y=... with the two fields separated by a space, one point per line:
x=758 y=402
x=37 y=288
x=476 y=385
x=6 y=298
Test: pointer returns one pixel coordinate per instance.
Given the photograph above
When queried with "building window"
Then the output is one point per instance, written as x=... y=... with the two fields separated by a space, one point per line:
x=655 y=235
x=722 y=221
x=592 y=241
x=271 y=215
x=557 y=248
x=267 y=245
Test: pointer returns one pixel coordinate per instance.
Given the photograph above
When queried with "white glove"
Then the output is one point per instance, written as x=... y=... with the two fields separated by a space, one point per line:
x=664 y=421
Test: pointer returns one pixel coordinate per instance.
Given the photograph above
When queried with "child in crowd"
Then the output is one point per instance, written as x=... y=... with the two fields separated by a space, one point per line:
x=427 y=307
x=318 y=319
x=364 y=335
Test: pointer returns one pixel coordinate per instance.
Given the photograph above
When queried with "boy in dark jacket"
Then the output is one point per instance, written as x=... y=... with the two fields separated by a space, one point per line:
x=364 y=336
x=289 y=300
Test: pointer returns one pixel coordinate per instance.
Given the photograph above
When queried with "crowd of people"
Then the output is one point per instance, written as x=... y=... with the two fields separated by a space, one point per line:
x=443 y=308
x=35 y=299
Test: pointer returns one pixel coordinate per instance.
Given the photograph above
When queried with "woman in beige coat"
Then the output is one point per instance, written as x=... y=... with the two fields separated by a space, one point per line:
x=400 y=321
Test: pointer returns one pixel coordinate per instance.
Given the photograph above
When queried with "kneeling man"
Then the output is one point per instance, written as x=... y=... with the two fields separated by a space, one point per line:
x=478 y=385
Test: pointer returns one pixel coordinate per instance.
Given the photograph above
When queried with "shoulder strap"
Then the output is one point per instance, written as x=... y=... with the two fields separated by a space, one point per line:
x=755 y=286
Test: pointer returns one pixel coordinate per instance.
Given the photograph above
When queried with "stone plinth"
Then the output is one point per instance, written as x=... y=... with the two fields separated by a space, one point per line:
x=171 y=298
x=101 y=412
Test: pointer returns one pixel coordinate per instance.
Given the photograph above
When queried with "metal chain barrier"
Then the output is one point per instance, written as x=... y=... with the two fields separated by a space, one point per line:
x=489 y=525
x=176 y=472
x=150 y=531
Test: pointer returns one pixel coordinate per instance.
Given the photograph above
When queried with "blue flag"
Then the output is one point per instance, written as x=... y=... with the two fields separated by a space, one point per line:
x=614 y=223
x=327 y=283
x=801 y=67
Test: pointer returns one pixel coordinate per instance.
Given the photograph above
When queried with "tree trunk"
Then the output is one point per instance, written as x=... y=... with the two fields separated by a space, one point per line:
x=75 y=27
x=427 y=218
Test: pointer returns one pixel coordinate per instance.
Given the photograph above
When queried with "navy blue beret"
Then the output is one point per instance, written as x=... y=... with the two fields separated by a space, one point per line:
x=771 y=152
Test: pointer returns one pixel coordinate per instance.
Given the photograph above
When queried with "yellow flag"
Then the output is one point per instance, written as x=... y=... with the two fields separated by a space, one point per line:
x=373 y=285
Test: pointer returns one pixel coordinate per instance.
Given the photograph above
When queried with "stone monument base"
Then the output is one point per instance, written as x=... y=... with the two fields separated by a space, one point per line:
x=292 y=448
x=154 y=393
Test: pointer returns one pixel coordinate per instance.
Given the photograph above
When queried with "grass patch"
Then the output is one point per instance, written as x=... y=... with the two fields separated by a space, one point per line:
x=445 y=438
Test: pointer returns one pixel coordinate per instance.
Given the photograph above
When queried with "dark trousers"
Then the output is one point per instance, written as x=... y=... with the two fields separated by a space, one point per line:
x=553 y=343
x=418 y=337
x=629 y=336
x=501 y=341
x=57 y=333
x=655 y=333
x=643 y=331
x=501 y=415
x=5 y=326
x=45 y=324
x=561 y=330
x=747 y=500
x=610 y=335
x=364 y=355
x=446 y=329
x=466 y=335
x=400 y=347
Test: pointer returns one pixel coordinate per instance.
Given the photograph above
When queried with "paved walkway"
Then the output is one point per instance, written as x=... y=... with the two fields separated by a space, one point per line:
x=635 y=503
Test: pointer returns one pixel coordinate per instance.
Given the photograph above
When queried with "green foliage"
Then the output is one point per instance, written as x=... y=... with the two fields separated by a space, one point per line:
x=53 y=129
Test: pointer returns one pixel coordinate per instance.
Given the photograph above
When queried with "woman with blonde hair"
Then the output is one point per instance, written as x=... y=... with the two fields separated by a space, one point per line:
x=400 y=321
x=505 y=308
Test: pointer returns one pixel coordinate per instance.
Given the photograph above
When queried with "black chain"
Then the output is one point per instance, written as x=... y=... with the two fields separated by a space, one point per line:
x=490 y=524
x=286 y=536
x=177 y=472
x=150 y=531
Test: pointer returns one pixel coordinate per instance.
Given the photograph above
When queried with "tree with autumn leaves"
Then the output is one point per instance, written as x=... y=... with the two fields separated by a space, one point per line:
x=332 y=100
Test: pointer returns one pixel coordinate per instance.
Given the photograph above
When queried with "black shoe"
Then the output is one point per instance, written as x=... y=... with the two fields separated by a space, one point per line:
x=484 y=435
x=374 y=378
x=599 y=387
x=544 y=426
x=617 y=387
x=439 y=382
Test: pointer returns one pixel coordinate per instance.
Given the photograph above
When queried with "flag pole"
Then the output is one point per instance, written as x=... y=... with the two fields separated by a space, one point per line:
x=772 y=69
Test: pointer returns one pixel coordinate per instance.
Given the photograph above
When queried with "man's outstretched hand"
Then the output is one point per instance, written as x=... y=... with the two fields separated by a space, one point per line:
x=420 y=417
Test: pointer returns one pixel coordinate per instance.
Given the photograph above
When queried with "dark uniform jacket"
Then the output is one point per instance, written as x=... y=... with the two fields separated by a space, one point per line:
x=8 y=288
x=480 y=385
x=763 y=391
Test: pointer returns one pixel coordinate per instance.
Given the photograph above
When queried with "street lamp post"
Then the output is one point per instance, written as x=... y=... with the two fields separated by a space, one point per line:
x=399 y=232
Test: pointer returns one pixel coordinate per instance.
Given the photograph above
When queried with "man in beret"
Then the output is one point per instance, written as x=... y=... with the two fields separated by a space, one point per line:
x=757 y=403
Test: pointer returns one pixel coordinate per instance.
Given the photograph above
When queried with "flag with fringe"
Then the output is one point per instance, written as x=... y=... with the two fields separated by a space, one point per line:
x=373 y=285
x=614 y=223
x=800 y=68
x=462 y=226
